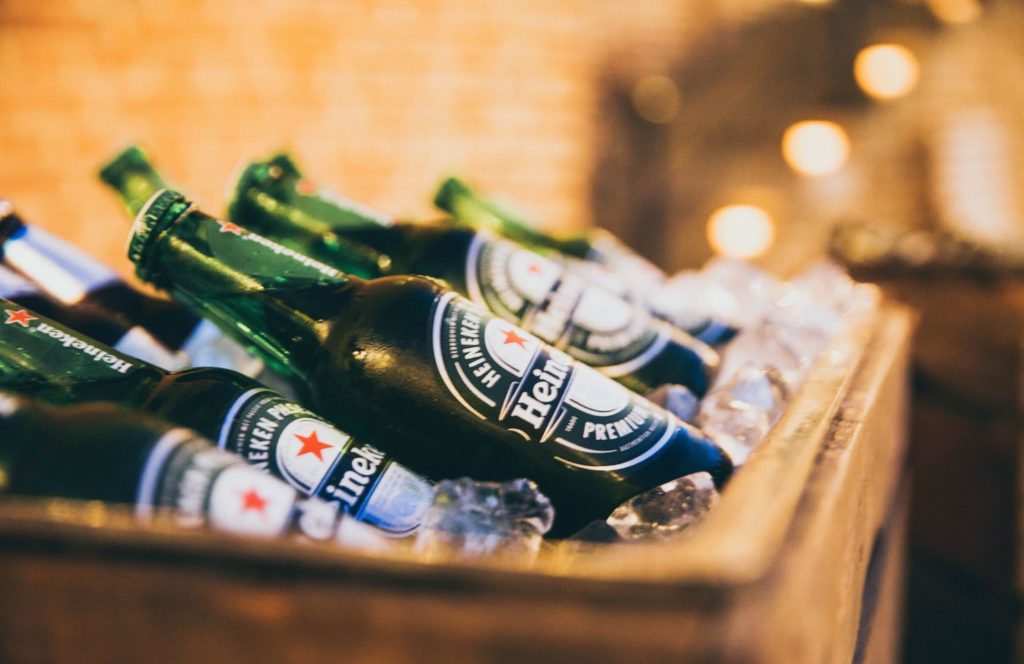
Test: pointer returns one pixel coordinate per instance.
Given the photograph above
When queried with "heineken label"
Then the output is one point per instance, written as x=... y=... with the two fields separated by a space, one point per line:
x=505 y=375
x=49 y=344
x=261 y=258
x=206 y=487
x=591 y=323
x=288 y=441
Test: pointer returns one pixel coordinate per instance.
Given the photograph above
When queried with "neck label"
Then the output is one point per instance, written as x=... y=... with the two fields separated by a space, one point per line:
x=589 y=323
x=261 y=258
x=288 y=441
x=507 y=376
x=45 y=344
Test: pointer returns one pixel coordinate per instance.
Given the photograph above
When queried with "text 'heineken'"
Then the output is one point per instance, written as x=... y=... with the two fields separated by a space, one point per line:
x=403 y=361
x=41 y=357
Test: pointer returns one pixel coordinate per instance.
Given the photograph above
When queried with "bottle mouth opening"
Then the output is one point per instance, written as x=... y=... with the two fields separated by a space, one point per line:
x=163 y=209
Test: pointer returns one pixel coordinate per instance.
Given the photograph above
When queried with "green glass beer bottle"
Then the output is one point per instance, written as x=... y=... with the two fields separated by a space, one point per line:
x=447 y=387
x=594 y=326
x=107 y=453
x=40 y=357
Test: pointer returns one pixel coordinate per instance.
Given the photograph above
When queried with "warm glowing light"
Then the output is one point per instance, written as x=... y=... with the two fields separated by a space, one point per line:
x=815 y=147
x=886 y=71
x=740 y=231
x=656 y=99
x=817 y=3
x=956 y=11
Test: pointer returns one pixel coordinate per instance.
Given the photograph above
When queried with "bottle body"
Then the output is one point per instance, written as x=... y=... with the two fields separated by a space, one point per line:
x=449 y=387
x=272 y=433
x=461 y=377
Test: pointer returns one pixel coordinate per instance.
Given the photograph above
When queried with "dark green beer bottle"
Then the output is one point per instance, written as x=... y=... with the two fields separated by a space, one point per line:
x=43 y=358
x=404 y=361
x=615 y=336
x=107 y=453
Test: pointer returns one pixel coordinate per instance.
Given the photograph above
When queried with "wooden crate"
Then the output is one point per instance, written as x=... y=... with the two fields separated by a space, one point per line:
x=801 y=561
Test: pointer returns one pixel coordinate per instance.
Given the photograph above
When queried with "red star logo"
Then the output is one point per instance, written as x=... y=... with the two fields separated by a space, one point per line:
x=21 y=317
x=312 y=445
x=252 y=500
x=533 y=268
x=228 y=227
x=512 y=338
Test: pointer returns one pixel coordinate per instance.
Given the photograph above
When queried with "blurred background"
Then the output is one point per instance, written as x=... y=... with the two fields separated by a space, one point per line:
x=690 y=128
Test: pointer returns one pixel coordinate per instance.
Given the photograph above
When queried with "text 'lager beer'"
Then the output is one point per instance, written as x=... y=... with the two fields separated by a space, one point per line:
x=590 y=323
x=406 y=362
x=103 y=452
x=41 y=357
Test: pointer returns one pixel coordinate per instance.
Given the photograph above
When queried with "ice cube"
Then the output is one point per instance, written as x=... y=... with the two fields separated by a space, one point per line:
x=676 y=399
x=470 y=518
x=665 y=510
x=738 y=414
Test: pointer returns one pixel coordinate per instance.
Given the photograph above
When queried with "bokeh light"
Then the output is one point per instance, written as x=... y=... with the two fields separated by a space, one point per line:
x=656 y=99
x=957 y=12
x=886 y=71
x=815 y=147
x=740 y=231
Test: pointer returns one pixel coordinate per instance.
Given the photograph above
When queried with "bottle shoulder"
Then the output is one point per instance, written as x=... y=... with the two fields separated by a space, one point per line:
x=199 y=398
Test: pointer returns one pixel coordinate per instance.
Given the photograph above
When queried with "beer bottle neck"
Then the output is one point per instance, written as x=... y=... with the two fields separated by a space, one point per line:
x=272 y=198
x=134 y=179
x=269 y=297
x=40 y=356
x=456 y=198
x=276 y=193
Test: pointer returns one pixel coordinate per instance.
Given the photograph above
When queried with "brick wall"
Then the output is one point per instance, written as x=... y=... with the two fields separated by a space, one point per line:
x=377 y=98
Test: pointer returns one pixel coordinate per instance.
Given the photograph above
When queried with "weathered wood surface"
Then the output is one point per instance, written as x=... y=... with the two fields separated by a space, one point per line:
x=787 y=586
